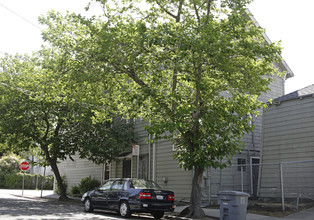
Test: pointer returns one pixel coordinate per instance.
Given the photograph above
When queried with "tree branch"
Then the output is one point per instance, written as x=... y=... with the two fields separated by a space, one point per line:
x=47 y=127
x=179 y=11
x=208 y=11
x=196 y=11
x=165 y=10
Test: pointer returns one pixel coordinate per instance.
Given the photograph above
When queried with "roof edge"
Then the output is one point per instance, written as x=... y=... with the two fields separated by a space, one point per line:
x=283 y=65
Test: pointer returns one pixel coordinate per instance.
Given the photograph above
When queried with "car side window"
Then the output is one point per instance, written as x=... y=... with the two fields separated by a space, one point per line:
x=117 y=185
x=106 y=186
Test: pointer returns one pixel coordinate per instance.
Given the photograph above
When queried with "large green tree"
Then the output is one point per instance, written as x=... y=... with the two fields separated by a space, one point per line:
x=193 y=68
x=40 y=110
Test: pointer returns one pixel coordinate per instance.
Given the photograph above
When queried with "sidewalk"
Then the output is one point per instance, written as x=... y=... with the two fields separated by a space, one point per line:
x=303 y=215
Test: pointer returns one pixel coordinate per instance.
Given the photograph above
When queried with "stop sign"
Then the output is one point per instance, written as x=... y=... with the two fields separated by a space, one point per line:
x=24 y=166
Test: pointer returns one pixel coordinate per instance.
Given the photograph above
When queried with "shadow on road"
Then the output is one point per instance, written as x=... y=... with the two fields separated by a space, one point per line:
x=34 y=208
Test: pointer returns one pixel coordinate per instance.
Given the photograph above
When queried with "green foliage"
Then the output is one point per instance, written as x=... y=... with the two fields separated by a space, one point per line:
x=2 y=180
x=88 y=184
x=194 y=71
x=10 y=163
x=45 y=111
x=31 y=181
x=75 y=191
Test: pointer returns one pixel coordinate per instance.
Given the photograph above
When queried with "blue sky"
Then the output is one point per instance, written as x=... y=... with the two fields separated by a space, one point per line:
x=286 y=20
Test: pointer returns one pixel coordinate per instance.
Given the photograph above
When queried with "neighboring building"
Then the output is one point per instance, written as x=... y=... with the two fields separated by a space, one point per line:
x=288 y=146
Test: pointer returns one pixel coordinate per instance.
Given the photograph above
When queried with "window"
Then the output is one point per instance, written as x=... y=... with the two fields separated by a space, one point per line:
x=143 y=184
x=106 y=186
x=117 y=185
x=241 y=161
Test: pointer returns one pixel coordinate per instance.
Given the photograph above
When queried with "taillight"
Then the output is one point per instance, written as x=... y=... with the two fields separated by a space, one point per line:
x=143 y=195
x=171 y=197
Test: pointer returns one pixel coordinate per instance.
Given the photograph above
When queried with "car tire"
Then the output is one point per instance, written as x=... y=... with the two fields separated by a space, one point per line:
x=158 y=214
x=124 y=210
x=88 y=207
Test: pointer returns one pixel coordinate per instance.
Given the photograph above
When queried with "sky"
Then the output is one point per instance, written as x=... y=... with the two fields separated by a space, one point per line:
x=288 y=21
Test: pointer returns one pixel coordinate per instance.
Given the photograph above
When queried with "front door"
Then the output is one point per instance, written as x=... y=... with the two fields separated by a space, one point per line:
x=255 y=173
x=99 y=199
x=126 y=170
x=143 y=169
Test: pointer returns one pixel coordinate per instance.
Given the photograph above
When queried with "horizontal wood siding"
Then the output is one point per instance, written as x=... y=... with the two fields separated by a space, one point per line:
x=78 y=169
x=179 y=180
x=253 y=139
x=288 y=136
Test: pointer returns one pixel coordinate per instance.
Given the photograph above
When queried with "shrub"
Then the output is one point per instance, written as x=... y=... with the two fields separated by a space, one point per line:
x=88 y=184
x=2 y=179
x=75 y=191
x=15 y=181
x=47 y=182
x=10 y=163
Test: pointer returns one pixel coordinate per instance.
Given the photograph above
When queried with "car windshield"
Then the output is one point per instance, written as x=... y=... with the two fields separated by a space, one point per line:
x=143 y=184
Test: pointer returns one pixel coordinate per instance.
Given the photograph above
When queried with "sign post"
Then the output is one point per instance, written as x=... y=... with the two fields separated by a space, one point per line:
x=24 y=166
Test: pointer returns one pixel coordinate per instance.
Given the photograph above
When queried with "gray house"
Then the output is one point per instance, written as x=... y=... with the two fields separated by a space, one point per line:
x=287 y=159
x=155 y=161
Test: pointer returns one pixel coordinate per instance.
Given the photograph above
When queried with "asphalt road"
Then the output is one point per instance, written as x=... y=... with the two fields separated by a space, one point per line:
x=15 y=206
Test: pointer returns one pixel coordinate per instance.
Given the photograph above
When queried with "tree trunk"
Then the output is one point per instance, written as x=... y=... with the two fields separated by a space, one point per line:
x=195 y=210
x=53 y=164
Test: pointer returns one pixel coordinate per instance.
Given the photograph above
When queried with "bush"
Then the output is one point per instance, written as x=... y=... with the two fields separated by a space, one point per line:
x=75 y=191
x=2 y=179
x=31 y=181
x=88 y=184
x=10 y=163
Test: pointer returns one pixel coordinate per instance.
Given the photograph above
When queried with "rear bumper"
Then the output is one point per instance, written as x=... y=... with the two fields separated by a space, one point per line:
x=144 y=206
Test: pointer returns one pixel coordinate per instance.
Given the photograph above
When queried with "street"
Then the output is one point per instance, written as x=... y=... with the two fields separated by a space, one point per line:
x=15 y=206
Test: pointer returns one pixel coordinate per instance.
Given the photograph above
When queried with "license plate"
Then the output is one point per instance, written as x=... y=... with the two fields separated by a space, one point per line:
x=160 y=197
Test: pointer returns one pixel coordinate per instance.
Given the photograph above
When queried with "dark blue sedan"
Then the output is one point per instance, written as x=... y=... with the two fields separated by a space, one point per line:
x=127 y=196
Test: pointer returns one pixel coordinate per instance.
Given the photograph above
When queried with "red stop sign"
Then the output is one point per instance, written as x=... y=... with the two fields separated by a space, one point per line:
x=24 y=166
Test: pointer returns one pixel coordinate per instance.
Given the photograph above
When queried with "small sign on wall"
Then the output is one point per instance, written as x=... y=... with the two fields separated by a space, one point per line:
x=136 y=150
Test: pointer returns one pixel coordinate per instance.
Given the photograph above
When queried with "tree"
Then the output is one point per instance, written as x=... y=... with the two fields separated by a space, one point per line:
x=194 y=69
x=40 y=112
x=10 y=163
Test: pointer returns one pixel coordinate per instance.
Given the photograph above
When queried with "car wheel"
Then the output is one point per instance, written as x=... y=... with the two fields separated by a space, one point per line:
x=124 y=210
x=158 y=214
x=88 y=207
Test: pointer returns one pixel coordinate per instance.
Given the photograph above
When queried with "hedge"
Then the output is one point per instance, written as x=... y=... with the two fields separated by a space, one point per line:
x=31 y=181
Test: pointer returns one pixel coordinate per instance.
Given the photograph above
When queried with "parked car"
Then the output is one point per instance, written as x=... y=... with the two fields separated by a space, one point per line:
x=127 y=196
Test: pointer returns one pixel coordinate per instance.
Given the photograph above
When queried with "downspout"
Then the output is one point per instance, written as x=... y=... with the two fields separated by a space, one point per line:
x=261 y=155
x=102 y=173
x=154 y=158
x=149 y=154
